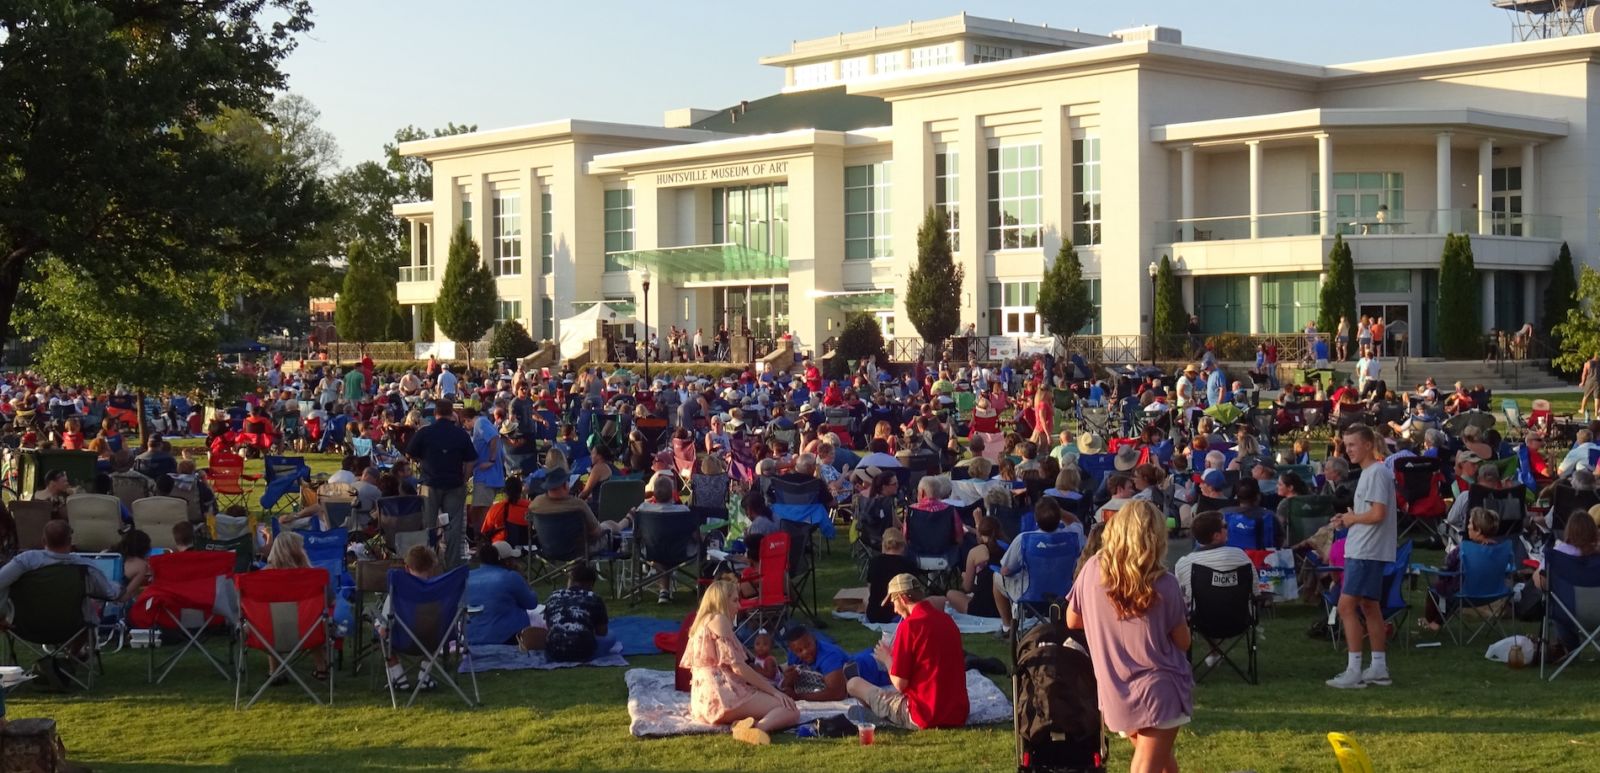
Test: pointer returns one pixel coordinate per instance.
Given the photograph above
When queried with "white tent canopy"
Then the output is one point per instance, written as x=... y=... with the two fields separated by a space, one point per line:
x=581 y=328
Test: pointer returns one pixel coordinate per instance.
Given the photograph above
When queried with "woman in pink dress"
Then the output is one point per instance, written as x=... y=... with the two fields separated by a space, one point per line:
x=724 y=688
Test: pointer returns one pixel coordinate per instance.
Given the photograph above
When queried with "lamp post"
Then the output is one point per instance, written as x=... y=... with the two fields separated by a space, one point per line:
x=1155 y=301
x=644 y=278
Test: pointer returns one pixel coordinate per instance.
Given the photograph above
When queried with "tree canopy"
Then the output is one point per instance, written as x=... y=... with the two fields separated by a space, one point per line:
x=861 y=338
x=511 y=341
x=363 y=312
x=1064 y=301
x=1171 y=319
x=1561 y=294
x=1338 y=296
x=934 y=286
x=1579 y=333
x=466 y=306
x=1461 y=336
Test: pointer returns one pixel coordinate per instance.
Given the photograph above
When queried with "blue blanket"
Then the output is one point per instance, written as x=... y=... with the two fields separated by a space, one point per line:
x=637 y=633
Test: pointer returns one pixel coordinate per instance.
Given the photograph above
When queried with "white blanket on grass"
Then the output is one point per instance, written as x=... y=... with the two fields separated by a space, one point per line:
x=509 y=657
x=964 y=623
x=656 y=708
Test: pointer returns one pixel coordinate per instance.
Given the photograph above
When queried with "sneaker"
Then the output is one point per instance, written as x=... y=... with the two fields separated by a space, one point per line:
x=664 y=598
x=1377 y=676
x=1348 y=680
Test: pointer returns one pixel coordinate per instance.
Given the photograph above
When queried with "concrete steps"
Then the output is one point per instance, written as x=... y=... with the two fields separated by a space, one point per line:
x=1524 y=375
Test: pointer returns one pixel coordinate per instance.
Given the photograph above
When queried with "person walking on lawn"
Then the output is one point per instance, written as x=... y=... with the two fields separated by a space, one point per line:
x=1369 y=547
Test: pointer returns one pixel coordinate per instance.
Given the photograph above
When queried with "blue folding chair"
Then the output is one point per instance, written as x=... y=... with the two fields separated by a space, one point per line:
x=1394 y=605
x=1572 y=603
x=1485 y=576
x=426 y=621
x=1096 y=468
x=113 y=625
x=283 y=477
x=1050 y=558
x=802 y=511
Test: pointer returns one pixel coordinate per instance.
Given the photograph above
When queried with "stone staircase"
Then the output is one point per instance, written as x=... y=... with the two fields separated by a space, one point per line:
x=1525 y=375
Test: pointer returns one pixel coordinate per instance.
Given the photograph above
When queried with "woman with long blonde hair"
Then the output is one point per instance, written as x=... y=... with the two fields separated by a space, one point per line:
x=1133 y=614
x=725 y=689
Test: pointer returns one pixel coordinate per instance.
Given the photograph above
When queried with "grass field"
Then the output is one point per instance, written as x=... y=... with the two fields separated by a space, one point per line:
x=1449 y=709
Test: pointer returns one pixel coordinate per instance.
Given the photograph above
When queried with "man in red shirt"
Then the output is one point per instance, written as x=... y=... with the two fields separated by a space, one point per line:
x=927 y=668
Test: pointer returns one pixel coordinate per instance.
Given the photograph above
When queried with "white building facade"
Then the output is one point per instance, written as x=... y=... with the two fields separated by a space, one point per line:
x=785 y=213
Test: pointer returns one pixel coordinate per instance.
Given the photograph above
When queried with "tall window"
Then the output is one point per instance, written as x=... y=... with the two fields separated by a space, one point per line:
x=1086 y=191
x=754 y=216
x=466 y=214
x=424 y=244
x=508 y=310
x=547 y=241
x=507 y=233
x=932 y=56
x=1092 y=327
x=853 y=68
x=1359 y=197
x=1289 y=301
x=889 y=61
x=814 y=74
x=986 y=53
x=548 y=329
x=1505 y=200
x=1015 y=196
x=947 y=192
x=619 y=226
x=866 y=211
x=1013 y=309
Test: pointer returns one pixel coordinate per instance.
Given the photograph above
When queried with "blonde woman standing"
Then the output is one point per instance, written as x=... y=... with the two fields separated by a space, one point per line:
x=725 y=689
x=1132 y=611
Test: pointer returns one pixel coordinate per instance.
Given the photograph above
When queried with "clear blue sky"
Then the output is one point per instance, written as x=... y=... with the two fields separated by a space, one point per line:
x=373 y=66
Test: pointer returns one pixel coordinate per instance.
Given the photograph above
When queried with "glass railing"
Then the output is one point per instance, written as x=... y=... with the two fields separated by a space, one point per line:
x=1414 y=222
x=416 y=273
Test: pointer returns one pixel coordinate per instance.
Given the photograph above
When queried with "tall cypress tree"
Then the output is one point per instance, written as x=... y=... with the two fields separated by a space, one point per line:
x=1171 y=319
x=1560 y=295
x=466 y=306
x=1338 y=298
x=1064 y=302
x=1460 y=324
x=934 y=286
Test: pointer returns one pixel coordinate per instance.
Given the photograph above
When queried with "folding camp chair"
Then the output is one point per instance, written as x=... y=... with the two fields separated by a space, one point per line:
x=341 y=512
x=667 y=545
x=96 y=521
x=30 y=517
x=401 y=522
x=326 y=550
x=1565 y=501
x=225 y=471
x=1096 y=419
x=284 y=614
x=1510 y=504
x=371 y=587
x=242 y=548
x=284 y=475
x=1306 y=514
x=1419 y=487
x=803 y=567
x=156 y=516
x=1096 y=468
x=425 y=622
x=560 y=541
x=1009 y=520
x=1514 y=423
x=1394 y=606
x=618 y=498
x=770 y=608
x=184 y=596
x=933 y=542
x=112 y=627
x=1484 y=586
x=1572 y=601
x=1049 y=557
x=48 y=620
x=1222 y=614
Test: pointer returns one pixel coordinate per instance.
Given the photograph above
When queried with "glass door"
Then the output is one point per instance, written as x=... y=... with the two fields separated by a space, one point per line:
x=1396 y=322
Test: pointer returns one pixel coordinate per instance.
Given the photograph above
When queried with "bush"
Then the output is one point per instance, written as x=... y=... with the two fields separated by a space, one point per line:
x=1232 y=346
x=860 y=339
x=511 y=341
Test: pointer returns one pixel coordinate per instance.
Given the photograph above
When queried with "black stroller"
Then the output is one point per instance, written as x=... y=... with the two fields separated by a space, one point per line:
x=1056 y=715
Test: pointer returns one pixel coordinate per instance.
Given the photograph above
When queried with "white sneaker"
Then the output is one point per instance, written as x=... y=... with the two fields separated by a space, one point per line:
x=1377 y=676
x=1348 y=680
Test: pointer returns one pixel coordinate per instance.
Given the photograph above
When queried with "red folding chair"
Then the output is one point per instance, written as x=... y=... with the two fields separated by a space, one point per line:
x=770 y=607
x=226 y=474
x=284 y=614
x=184 y=595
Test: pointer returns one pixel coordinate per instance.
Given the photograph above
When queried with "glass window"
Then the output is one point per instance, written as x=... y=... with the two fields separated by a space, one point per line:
x=424 y=243
x=982 y=52
x=507 y=233
x=466 y=214
x=1505 y=201
x=866 y=211
x=1360 y=197
x=548 y=329
x=889 y=61
x=1013 y=309
x=547 y=241
x=1092 y=327
x=947 y=192
x=1392 y=280
x=755 y=216
x=508 y=310
x=1086 y=191
x=1222 y=303
x=618 y=226
x=813 y=74
x=1289 y=301
x=1015 y=196
x=850 y=69
x=932 y=56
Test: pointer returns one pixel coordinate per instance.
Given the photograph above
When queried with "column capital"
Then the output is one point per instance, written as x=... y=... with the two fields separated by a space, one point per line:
x=1444 y=134
x=1186 y=148
x=1323 y=135
x=1252 y=143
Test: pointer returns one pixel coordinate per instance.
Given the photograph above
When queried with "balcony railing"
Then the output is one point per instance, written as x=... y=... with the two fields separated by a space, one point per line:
x=416 y=273
x=1406 y=222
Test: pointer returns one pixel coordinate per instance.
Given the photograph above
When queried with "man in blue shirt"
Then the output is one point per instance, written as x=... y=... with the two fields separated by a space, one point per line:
x=498 y=588
x=812 y=660
x=446 y=454
x=1216 y=384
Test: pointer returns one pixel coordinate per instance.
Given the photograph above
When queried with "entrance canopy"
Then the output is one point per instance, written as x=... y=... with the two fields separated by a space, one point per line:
x=581 y=328
x=860 y=300
x=707 y=263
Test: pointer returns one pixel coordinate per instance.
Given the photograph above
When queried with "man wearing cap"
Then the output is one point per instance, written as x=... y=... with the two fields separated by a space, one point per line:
x=1582 y=445
x=1185 y=386
x=447 y=457
x=557 y=499
x=927 y=668
x=819 y=669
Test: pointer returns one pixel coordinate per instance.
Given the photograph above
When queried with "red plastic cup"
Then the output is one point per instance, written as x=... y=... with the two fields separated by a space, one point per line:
x=867 y=733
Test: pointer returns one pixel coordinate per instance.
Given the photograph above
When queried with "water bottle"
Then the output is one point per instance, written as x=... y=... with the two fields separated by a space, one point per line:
x=807 y=730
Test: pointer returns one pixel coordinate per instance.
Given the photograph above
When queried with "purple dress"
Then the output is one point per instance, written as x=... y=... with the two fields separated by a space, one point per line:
x=1144 y=680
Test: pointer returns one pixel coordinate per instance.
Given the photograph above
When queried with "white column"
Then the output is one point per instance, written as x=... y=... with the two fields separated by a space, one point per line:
x=1255 y=188
x=1530 y=292
x=1485 y=177
x=1530 y=189
x=1255 y=304
x=1487 y=301
x=1186 y=197
x=1325 y=182
x=416 y=322
x=1443 y=201
x=1188 y=292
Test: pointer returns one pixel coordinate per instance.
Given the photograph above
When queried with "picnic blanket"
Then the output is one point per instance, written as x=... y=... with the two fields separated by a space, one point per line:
x=638 y=633
x=656 y=709
x=964 y=623
x=508 y=657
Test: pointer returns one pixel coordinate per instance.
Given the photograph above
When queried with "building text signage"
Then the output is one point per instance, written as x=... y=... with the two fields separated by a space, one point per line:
x=723 y=173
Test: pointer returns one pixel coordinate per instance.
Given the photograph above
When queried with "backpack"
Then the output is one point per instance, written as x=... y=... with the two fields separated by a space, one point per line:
x=1055 y=696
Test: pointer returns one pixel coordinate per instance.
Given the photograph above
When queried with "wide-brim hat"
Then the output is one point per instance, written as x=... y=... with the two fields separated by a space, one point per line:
x=1191 y=368
x=1127 y=458
x=1090 y=443
x=866 y=474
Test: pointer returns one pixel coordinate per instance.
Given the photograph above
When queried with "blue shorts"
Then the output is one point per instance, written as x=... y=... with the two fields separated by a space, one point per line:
x=1363 y=578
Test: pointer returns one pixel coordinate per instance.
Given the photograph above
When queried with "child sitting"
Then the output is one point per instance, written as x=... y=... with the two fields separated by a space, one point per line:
x=761 y=653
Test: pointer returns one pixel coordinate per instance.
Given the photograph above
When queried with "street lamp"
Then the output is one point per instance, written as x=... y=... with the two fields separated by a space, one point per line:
x=644 y=278
x=1155 y=301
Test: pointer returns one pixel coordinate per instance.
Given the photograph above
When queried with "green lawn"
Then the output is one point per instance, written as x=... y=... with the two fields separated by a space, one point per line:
x=1449 y=708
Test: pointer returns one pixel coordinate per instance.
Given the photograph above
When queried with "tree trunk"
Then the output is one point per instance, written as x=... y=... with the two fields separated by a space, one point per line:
x=144 y=428
x=10 y=285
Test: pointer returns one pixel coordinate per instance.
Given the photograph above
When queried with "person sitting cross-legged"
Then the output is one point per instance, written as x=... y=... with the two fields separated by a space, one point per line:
x=927 y=668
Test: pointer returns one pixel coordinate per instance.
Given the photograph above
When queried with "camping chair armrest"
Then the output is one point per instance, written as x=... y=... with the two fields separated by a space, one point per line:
x=1328 y=569
x=1434 y=570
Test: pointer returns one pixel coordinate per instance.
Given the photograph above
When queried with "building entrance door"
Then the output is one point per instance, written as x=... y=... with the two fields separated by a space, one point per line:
x=1396 y=321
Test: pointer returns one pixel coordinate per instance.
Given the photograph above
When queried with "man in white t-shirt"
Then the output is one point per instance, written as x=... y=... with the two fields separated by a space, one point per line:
x=447 y=384
x=1369 y=547
x=1211 y=551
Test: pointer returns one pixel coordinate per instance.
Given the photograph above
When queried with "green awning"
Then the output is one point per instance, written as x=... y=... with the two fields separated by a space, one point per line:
x=870 y=300
x=707 y=263
x=625 y=308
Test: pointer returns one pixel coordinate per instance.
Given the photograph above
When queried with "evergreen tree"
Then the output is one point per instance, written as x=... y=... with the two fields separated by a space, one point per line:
x=465 y=309
x=511 y=341
x=1559 y=296
x=934 y=286
x=860 y=339
x=1064 y=302
x=362 y=314
x=1171 y=319
x=1460 y=328
x=1338 y=297
x=1579 y=333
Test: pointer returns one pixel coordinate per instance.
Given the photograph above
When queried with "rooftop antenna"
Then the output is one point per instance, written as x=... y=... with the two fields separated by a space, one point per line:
x=1544 y=19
